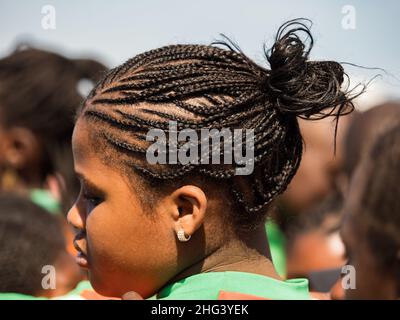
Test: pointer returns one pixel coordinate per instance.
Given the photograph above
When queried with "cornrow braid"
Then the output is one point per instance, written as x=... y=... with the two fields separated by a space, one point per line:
x=218 y=86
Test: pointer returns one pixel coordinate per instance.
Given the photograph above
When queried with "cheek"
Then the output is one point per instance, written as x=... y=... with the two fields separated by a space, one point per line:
x=111 y=232
x=127 y=250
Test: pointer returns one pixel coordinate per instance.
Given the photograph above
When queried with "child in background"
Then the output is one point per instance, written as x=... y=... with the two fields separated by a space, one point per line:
x=371 y=224
x=38 y=99
x=364 y=128
x=30 y=239
x=315 y=250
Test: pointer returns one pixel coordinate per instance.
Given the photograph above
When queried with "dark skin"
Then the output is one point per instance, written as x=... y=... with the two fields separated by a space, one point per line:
x=20 y=151
x=127 y=248
x=316 y=250
x=372 y=280
x=319 y=165
x=313 y=251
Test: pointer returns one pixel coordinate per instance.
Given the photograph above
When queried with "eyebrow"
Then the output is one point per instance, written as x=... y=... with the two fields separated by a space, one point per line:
x=89 y=184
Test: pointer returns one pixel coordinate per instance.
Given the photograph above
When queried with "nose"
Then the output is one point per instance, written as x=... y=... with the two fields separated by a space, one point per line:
x=76 y=218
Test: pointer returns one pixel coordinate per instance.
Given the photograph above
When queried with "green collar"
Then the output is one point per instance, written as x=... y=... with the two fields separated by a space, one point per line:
x=75 y=294
x=46 y=200
x=18 y=296
x=207 y=286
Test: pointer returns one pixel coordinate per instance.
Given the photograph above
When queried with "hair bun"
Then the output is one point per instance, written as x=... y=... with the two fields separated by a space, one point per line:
x=301 y=87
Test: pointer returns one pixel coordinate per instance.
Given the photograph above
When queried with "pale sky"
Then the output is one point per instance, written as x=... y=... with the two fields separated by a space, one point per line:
x=114 y=31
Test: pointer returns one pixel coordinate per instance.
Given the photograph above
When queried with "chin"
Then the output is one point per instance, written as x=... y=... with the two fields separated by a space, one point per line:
x=111 y=284
x=105 y=287
x=115 y=288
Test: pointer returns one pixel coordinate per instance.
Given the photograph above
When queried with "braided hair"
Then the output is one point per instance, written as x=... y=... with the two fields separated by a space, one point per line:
x=217 y=86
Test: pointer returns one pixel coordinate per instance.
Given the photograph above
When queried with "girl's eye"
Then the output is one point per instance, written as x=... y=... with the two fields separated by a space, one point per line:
x=91 y=202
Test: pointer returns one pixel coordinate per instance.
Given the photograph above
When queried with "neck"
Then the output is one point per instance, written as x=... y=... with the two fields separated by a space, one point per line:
x=249 y=254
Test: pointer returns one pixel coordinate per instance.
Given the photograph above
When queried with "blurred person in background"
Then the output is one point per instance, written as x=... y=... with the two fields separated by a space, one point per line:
x=323 y=262
x=39 y=95
x=371 y=224
x=30 y=239
x=362 y=131
x=38 y=99
x=320 y=164
x=314 y=182
x=315 y=250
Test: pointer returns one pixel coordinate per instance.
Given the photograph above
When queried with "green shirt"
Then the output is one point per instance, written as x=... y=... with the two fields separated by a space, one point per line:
x=277 y=246
x=207 y=286
x=72 y=295
x=46 y=200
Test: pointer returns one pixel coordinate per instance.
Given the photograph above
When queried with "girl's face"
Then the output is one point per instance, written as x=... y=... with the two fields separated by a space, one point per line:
x=123 y=247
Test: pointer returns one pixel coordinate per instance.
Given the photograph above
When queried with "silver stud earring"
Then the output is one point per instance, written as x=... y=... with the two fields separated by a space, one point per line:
x=182 y=237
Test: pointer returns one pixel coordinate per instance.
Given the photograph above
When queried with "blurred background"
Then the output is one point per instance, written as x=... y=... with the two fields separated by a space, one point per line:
x=115 y=32
x=54 y=49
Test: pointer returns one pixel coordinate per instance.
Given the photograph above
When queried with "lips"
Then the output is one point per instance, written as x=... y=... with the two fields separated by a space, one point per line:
x=79 y=243
x=81 y=260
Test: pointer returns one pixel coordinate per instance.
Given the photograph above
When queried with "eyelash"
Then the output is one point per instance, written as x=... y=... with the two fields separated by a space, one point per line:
x=92 y=199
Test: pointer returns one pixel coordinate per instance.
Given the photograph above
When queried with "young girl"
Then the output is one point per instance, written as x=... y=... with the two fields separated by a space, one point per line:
x=194 y=231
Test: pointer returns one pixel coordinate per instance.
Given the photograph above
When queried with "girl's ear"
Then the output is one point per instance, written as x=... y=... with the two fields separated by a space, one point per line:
x=20 y=148
x=189 y=209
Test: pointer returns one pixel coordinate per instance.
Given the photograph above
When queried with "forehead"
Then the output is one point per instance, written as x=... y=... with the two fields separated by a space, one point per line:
x=91 y=155
x=87 y=161
x=81 y=142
